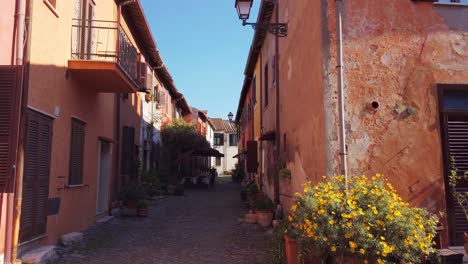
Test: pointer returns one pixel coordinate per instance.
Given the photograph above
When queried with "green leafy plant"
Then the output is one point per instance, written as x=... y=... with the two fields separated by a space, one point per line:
x=460 y=197
x=367 y=220
x=251 y=187
x=151 y=182
x=285 y=173
x=142 y=204
x=133 y=192
x=237 y=174
x=263 y=204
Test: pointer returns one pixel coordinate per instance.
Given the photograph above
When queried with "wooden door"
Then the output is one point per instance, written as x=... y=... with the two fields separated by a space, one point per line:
x=37 y=149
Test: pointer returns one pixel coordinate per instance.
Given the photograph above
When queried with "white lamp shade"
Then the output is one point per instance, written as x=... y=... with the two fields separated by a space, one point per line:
x=243 y=8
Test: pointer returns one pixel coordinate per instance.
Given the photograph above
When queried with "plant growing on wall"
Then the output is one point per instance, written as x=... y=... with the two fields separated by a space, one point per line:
x=460 y=197
x=285 y=173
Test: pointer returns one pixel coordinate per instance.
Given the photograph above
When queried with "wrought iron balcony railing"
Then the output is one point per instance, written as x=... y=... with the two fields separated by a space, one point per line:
x=100 y=40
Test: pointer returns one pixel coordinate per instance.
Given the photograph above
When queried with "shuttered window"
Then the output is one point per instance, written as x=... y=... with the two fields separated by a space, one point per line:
x=128 y=143
x=10 y=86
x=454 y=117
x=77 y=152
x=37 y=151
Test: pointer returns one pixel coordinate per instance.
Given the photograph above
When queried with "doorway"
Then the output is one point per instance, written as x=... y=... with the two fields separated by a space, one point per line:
x=104 y=167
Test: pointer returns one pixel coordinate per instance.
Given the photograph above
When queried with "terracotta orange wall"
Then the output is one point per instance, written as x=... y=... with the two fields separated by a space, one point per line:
x=50 y=88
x=301 y=98
x=396 y=55
x=7 y=21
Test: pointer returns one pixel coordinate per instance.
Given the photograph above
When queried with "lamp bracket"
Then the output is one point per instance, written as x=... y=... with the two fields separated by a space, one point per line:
x=277 y=29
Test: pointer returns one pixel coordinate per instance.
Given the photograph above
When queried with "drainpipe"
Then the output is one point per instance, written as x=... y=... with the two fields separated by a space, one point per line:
x=278 y=135
x=15 y=199
x=343 y=151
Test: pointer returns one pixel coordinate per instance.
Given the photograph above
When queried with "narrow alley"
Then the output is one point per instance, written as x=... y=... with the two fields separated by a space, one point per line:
x=202 y=226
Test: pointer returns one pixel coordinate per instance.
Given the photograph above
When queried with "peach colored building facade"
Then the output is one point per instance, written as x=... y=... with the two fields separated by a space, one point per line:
x=81 y=116
x=402 y=67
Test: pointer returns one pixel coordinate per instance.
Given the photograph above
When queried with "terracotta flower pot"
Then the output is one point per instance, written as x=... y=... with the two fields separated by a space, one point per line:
x=142 y=211
x=465 y=239
x=264 y=218
x=291 y=250
x=250 y=218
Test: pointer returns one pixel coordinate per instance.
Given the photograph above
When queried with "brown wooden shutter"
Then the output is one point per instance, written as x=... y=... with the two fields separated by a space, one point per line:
x=457 y=141
x=37 y=151
x=252 y=157
x=10 y=90
x=128 y=142
x=77 y=152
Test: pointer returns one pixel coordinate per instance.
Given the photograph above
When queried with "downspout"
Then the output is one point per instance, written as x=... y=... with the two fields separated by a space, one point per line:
x=278 y=135
x=343 y=150
x=117 y=125
x=15 y=200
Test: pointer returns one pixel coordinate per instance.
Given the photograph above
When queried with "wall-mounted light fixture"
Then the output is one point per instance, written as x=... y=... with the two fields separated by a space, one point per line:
x=243 y=11
x=230 y=116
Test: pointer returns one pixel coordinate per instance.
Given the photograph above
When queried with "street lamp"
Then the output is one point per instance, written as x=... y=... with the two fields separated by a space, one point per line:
x=243 y=11
x=243 y=8
x=230 y=116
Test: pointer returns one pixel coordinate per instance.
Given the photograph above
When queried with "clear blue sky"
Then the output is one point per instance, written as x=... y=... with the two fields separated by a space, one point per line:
x=205 y=48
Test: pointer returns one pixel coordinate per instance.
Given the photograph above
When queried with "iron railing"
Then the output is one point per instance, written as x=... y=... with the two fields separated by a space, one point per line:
x=100 y=40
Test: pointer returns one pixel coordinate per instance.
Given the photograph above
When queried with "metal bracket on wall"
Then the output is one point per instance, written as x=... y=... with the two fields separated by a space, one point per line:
x=277 y=29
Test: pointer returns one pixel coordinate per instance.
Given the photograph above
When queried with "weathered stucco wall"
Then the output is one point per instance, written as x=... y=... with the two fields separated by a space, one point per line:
x=302 y=131
x=395 y=56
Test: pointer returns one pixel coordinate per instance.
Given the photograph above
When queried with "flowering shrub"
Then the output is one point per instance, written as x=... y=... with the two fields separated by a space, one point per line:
x=368 y=220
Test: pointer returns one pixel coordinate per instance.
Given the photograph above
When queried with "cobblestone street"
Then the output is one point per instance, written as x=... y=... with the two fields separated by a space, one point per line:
x=200 y=227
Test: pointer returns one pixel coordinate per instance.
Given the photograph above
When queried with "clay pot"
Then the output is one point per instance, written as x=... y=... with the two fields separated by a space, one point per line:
x=142 y=211
x=264 y=218
x=465 y=240
x=250 y=218
x=291 y=250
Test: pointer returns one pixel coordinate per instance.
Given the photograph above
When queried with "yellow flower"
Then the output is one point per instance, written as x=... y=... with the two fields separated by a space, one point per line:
x=352 y=245
x=348 y=235
x=362 y=251
x=333 y=248
x=331 y=221
x=321 y=211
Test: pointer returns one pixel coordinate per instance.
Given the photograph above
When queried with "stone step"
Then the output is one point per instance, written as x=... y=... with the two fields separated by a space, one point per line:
x=39 y=255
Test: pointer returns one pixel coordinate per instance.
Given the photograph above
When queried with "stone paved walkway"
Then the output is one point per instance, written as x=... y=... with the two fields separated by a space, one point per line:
x=200 y=227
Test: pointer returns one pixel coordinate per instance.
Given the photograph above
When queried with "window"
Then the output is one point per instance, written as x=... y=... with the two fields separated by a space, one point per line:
x=232 y=139
x=218 y=161
x=77 y=152
x=453 y=1
x=249 y=110
x=266 y=80
x=218 y=139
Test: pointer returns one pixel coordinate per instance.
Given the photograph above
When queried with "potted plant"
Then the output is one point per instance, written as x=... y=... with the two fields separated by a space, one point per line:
x=361 y=219
x=130 y=196
x=142 y=208
x=264 y=210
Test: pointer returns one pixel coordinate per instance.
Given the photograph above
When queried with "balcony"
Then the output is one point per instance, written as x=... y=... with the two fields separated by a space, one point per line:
x=103 y=58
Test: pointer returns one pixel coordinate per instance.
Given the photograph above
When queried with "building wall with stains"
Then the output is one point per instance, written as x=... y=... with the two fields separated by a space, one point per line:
x=395 y=56
x=301 y=108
